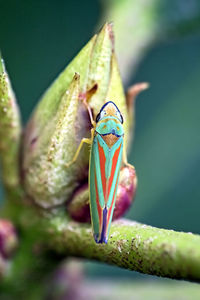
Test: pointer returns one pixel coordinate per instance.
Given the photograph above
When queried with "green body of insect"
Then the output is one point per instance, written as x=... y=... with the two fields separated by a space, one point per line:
x=105 y=164
x=106 y=156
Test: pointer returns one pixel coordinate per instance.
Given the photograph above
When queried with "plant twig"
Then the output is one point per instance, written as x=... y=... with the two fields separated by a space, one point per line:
x=133 y=246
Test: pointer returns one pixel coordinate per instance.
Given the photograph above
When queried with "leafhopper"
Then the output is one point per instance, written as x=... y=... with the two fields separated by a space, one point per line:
x=106 y=157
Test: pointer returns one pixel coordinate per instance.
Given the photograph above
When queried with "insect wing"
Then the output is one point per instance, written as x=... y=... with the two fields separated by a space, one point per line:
x=105 y=166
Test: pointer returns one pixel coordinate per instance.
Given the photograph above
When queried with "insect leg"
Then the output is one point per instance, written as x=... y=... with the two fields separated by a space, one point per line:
x=86 y=98
x=124 y=159
x=83 y=141
x=90 y=113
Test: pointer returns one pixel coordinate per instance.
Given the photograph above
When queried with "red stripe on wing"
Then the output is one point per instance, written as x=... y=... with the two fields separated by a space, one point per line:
x=110 y=208
x=98 y=204
x=114 y=163
x=102 y=159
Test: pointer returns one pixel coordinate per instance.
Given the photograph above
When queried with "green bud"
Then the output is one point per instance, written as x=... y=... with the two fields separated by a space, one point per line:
x=60 y=121
x=10 y=131
x=47 y=179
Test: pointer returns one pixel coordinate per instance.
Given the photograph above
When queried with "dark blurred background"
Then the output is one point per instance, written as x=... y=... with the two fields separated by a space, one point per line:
x=39 y=38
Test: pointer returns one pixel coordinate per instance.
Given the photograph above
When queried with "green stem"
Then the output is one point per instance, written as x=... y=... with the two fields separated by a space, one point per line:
x=133 y=246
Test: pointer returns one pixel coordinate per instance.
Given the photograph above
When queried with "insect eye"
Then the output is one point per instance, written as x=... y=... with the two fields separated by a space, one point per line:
x=97 y=118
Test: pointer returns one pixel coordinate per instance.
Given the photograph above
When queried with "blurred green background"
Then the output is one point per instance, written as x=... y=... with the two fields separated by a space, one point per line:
x=39 y=38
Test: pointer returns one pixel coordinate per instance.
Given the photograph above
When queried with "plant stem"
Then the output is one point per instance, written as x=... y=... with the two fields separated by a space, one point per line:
x=133 y=246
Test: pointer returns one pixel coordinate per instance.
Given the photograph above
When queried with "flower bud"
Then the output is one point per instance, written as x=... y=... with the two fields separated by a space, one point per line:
x=47 y=179
x=60 y=121
x=79 y=208
x=8 y=244
x=67 y=282
x=8 y=239
x=126 y=191
x=10 y=131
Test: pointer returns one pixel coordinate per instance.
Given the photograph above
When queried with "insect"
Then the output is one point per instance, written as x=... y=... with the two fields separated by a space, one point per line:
x=106 y=155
